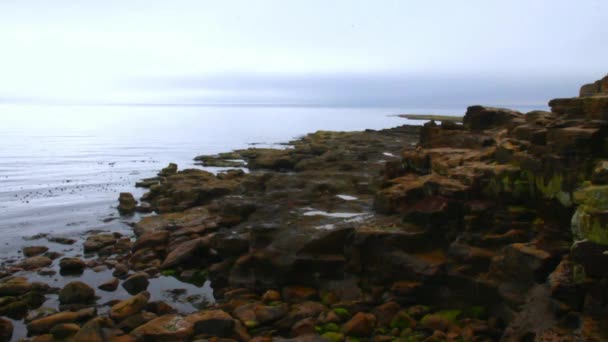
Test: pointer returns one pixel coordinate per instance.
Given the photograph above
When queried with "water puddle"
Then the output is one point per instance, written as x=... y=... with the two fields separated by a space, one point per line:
x=347 y=197
x=335 y=215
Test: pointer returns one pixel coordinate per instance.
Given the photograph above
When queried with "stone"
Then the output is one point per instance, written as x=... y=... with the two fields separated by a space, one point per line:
x=96 y=242
x=132 y=322
x=362 y=324
x=271 y=296
x=62 y=240
x=120 y=270
x=436 y=322
x=183 y=253
x=212 y=323
x=297 y=294
x=127 y=203
x=130 y=306
x=160 y=308
x=298 y=312
x=255 y=314
x=64 y=330
x=136 y=283
x=6 y=330
x=45 y=324
x=76 y=292
x=170 y=170
x=165 y=328
x=71 y=266
x=151 y=240
x=304 y=327
x=16 y=309
x=31 y=251
x=384 y=313
x=36 y=262
x=480 y=118
x=15 y=287
x=95 y=330
x=109 y=285
x=592 y=259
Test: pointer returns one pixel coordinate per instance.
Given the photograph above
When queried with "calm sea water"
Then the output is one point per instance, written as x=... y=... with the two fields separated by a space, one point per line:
x=62 y=167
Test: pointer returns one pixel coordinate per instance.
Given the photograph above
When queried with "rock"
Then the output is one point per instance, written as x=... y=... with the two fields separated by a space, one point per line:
x=589 y=108
x=151 y=240
x=212 y=323
x=297 y=294
x=441 y=321
x=480 y=118
x=95 y=330
x=298 y=312
x=36 y=262
x=170 y=170
x=109 y=285
x=333 y=336
x=64 y=331
x=165 y=328
x=385 y=313
x=132 y=322
x=592 y=258
x=6 y=330
x=62 y=240
x=362 y=324
x=96 y=242
x=183 y=253
x=136 y=283
x=15 y=287
x=160 y=308
x=16 y=309
x=76 y=292
x=255 y=314
x=71 y=266
x=34 y=250
x=271 y=296
x=42 y=338
x=120 y=270
x=304 y=327
x=129 y=307
x=44 y=325
x=127 y=203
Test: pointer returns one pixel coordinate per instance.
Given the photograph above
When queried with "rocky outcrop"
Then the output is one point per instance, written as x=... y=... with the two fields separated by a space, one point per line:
x=493 y=229
x=596 y=88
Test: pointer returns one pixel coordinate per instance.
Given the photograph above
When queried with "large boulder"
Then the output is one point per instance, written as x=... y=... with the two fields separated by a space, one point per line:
x=479 y=118
x=126 y=203
x=362 y=324
x=99 y=329
x=165 y=328
x=31 y=251
x=45 y=324
x=136 y=283
x=6 y=329
x=36 y=262
x=212 y=323
x=96 y=242
x=76 y=292
x=184 y=252
x=71 y=266
x=129 y=307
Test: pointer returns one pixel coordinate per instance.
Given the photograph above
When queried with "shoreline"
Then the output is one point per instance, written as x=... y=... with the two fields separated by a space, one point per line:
x=473 y=231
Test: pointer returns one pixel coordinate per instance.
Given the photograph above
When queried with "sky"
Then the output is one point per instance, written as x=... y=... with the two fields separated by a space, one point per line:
x=316 y=52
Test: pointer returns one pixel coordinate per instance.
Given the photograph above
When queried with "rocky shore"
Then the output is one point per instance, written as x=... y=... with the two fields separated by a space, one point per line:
x=493 y=229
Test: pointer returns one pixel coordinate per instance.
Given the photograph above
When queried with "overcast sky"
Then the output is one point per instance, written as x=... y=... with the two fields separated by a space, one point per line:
x=326 y=51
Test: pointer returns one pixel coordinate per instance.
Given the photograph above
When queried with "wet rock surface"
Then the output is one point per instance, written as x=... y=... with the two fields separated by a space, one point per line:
x=493 y=229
